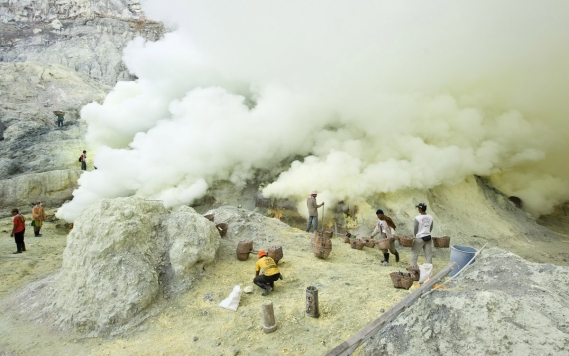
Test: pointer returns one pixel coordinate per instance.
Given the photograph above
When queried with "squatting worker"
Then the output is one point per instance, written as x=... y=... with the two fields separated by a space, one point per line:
x=422 y=240
x=386 y=227
x=312 y=211
x=38 y=217
x=18 y=230
x=270 y=274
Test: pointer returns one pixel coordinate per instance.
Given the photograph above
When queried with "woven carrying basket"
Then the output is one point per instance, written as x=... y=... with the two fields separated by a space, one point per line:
x=406 y=241
x=357 y=244
x=321 y=245
x=328 y=233
x=415 y=273
x=346 y=239
x=222 y=228
x=401 y=280
x=369 y=243
x=441 y=242
x=276 y=253
x=209 y=217
x=383 y=244
x=243 y=249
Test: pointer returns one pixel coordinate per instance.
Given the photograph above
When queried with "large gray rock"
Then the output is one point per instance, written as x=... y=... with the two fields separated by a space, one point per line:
x=121 y=256
x=30 y=92
x=502 y=305
x=51 y=188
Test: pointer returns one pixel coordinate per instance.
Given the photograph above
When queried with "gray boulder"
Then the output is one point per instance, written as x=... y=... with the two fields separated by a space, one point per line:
x=121 y=256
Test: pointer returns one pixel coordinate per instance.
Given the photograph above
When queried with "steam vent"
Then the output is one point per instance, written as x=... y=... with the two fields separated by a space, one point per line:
x=284 y=178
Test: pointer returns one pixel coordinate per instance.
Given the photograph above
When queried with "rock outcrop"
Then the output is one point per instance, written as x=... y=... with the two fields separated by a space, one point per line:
x=51 y=188
x=32 y=142
x=122 y=255
x=85 y=36
x=502 y=305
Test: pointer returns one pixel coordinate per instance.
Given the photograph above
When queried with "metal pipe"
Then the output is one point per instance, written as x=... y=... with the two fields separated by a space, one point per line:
x=312 y=302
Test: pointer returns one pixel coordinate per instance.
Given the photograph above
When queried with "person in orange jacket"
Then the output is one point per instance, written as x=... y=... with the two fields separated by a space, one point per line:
x=18 y=230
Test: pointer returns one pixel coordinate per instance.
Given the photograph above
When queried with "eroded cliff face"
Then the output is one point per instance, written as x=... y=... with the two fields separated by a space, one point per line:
x=48 y=10
x=58 y=55
x=86 y=36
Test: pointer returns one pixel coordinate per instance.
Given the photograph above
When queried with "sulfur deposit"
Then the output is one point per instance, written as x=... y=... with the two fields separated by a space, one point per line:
x=123 y=255
x=502 y=305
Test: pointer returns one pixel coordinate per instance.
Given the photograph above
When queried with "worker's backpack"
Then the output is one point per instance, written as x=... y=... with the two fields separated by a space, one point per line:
x=80 y=159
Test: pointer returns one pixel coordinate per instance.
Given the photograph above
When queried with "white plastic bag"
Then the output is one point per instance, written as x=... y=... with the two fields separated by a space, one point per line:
x=232 y=302
x=426 y=270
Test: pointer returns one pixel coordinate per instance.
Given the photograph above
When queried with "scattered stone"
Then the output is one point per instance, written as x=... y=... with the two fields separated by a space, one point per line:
x=218 y=343
x=208 y=297
x=195 y=338
x=248 y=289
x=381 y=310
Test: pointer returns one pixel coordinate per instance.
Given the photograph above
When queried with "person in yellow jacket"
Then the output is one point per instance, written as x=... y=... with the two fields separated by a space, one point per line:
x=270 y=274
x=38 y=217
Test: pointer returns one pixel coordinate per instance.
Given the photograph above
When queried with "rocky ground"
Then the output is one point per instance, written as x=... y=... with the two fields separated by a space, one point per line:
x=353 y=290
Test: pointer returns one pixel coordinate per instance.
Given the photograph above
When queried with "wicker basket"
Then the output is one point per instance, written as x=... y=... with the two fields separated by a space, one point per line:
x=276 y=253
x=222 y=228
x=441 y=242
x=321 y=245
x=243 y=249
x=370 y=243
x=328 y=233
x=401 y=280
x=415 y=272
x=383 y=244
x=406 y=241
x=346 y=239
x=209 y=217
x=357 y=244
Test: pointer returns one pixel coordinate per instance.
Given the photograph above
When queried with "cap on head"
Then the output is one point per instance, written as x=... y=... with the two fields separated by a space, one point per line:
x=261 y=254
x=422 y=206
x=379 y=211
x=84 y=151
x=38 y=202
x=314 y=192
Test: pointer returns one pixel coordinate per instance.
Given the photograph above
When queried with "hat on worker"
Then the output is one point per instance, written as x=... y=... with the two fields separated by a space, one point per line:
x=421 y=206
x=379 y=211
x=314 y=192
x=262 y=253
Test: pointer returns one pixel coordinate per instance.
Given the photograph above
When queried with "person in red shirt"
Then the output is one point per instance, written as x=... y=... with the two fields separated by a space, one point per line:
x=18 y=230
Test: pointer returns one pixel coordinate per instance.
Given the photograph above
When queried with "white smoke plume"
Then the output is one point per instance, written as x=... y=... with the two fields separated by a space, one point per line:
x=376 y=96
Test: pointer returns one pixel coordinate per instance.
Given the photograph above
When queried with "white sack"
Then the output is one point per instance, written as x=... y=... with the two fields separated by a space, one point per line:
x=426 y=270
x=232 y=302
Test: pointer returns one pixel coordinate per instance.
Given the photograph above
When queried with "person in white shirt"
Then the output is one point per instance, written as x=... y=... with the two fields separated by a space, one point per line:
x=422 y=240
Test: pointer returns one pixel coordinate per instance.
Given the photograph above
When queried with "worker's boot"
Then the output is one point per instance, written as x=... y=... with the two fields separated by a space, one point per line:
x=19 y=247
x=396 y=256
x=385 y=259
x=267 y=290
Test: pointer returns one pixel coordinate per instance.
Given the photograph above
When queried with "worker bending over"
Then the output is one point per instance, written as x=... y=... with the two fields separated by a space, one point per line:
x=386 y=228
x=270 y=272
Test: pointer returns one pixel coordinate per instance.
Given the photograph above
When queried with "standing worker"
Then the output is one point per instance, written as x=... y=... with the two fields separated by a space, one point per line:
x=312 y=211
x=83 y=159
x=38 y=217
x=59 y=115
x=18 y=230
x=386 y=227
x=422 y=240
x=270 y=272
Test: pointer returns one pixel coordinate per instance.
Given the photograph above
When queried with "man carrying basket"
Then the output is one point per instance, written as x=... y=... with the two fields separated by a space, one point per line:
x=386 y=227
